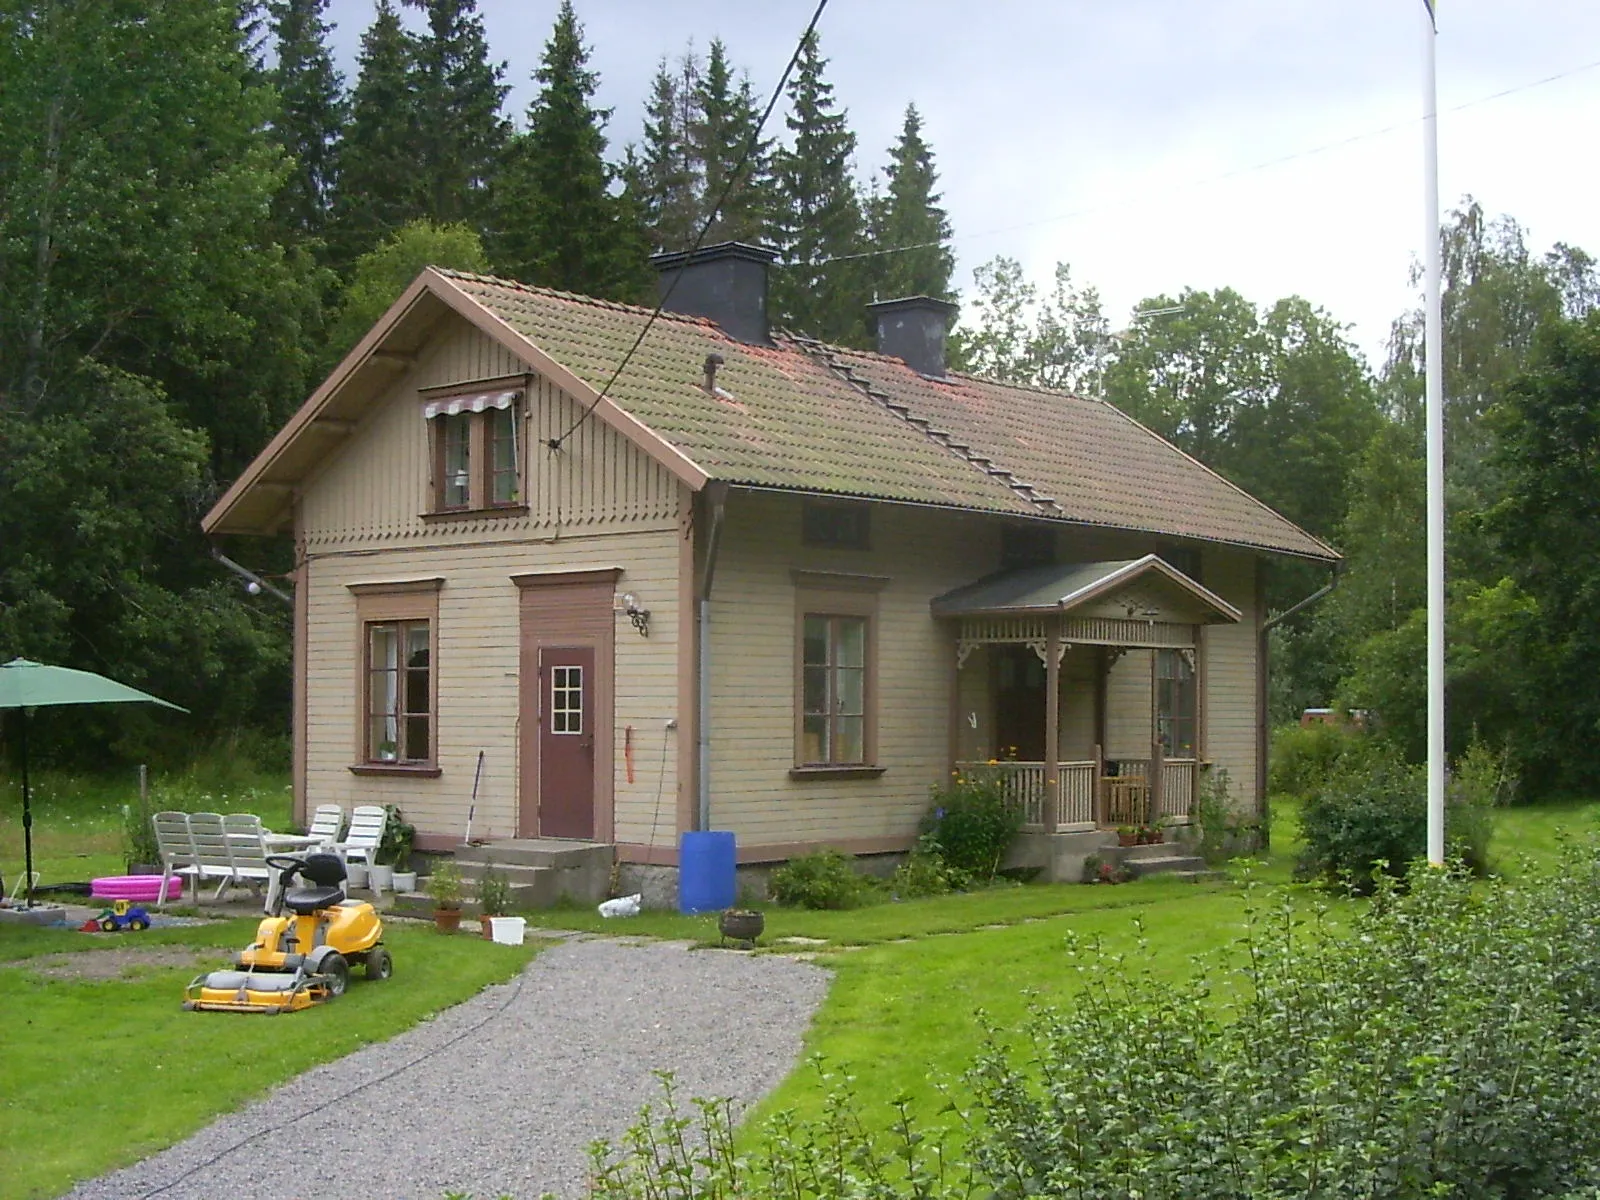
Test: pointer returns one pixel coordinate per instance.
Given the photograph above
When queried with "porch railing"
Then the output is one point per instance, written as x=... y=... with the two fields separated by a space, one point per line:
x=1123 y=798
x=1024 y=783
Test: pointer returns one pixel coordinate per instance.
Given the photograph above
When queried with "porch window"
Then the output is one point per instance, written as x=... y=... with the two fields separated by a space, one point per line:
x=834 y=691
x=399 y=692
x=1175 y=704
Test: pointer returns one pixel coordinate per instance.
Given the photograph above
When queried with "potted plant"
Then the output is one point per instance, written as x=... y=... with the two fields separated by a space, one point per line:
x=1150 y=835
x=1127 y=835
x=741 y=924
x=388 y=751
x=394 y=852
x=139 y=839
x=494 y=896
x=444 y=885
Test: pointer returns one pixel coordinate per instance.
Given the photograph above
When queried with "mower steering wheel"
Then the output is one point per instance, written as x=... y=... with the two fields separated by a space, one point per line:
x=283 y=862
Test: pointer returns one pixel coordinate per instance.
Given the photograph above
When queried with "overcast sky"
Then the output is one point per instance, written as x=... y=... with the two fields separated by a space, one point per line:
x=1272 y=146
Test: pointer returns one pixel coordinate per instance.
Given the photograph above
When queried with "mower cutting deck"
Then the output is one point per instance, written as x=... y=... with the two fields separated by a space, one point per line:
x=300 y=960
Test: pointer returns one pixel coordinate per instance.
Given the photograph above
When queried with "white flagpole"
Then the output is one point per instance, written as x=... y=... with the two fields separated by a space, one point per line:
x=1433 y=344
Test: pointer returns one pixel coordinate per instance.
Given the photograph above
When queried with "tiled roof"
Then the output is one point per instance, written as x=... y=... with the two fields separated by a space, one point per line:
x=781 y=418
x=804 y=416
x=1100 y=466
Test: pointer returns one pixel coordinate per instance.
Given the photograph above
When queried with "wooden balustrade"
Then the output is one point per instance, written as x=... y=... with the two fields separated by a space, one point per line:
x=1025 y=784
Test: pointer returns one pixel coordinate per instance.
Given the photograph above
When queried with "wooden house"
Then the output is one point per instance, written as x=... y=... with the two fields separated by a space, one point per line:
x=752 y=583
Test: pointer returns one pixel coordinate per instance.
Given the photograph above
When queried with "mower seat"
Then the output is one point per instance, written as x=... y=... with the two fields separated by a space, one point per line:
x=305 y=901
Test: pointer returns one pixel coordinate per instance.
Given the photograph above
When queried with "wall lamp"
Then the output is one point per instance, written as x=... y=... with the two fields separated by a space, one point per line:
x=639 y=616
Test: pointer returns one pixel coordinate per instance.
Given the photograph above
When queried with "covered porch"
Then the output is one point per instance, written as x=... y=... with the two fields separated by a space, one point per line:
x=1082 y=686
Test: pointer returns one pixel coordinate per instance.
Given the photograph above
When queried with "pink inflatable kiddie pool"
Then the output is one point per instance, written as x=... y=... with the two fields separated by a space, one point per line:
x=135 y=887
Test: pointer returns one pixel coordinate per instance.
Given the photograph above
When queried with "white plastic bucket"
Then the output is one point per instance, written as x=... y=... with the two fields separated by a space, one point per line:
x=508 y=930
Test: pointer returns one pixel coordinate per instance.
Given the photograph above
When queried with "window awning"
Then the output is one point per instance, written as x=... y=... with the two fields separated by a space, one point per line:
x=472 y=402
x=1141 y=589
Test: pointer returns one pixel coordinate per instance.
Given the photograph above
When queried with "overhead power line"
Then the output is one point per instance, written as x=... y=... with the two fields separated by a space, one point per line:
x=734 y=177
x=1264 y=165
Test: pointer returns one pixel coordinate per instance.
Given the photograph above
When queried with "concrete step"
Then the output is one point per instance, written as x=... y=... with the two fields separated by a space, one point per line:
x=1168 y=864
x=1158 y=850
x=522 y=897
x=535 y=852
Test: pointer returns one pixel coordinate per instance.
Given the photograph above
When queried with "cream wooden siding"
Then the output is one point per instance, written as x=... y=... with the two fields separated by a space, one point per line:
x=1128 y=732
x=376 y=489
x=599 y=503
x=1229 y=707
x=1078 y=669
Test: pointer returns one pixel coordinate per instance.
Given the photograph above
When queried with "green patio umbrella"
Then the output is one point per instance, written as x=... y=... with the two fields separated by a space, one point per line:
x=28 y=685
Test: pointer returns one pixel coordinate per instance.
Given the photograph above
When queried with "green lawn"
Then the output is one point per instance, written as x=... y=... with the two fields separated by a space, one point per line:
x=101 y=1072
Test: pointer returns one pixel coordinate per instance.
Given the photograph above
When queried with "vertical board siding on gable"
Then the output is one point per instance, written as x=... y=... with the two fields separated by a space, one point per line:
x=377 y=489
x=477 y=665
x=1229 y=710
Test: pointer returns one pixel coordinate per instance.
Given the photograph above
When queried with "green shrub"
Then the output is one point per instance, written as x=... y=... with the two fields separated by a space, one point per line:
x=1447 y=1044
x=925 y=873
x=1225 y=832
x=1367 y=813
x=823 y=879
x=1304 y=757
x=973 y=822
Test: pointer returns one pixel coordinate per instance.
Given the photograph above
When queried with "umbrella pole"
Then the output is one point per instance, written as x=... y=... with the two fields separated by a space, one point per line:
x=27 y=810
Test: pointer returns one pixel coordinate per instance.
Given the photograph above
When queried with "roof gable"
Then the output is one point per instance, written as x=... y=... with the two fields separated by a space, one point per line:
x=1147 y=588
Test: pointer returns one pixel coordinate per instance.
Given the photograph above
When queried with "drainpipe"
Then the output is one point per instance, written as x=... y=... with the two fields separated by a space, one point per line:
x=1263 y=656
x=716 y=499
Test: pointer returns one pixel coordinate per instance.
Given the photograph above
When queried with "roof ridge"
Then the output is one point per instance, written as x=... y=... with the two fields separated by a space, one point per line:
x=824 y=352
x=517 y=285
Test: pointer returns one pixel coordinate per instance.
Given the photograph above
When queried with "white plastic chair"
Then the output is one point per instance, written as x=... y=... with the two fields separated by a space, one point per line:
x=248 y=849
x=327 y=823
x=23 y=885
x=366 y=832
x=213 y=857
x=176 y=845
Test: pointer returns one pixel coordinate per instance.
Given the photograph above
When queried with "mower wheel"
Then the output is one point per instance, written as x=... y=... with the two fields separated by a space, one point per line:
x=379 y=964
x=337 y=972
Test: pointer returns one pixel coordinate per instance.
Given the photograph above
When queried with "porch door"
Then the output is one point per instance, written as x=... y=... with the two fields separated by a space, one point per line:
x=566 y=741
x=1019 y=703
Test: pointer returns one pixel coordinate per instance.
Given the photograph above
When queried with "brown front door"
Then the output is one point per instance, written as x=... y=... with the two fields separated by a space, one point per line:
x=566 y=742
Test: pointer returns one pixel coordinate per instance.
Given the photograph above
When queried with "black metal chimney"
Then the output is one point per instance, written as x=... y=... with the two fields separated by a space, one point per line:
x=913 y=329
x=726 y=282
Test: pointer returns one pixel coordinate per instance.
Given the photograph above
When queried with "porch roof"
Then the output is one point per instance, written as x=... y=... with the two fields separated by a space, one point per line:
x=1147 y=587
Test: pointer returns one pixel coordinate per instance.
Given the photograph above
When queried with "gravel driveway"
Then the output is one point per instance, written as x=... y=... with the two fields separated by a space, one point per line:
x=559 y=1056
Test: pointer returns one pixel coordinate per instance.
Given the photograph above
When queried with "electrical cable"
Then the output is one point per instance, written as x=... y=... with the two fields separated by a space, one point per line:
x=1206 y=181
x=734 y=177
x=516 y=990
x=661 y=781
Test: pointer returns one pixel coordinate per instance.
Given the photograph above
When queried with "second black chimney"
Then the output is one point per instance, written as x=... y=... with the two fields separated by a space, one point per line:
x=913 y=329
x=726 y=283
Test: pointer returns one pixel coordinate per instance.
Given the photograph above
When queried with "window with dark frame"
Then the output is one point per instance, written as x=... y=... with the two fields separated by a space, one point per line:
x=477 y=455
x=1175 y=704
x=399 y=692
x=835 y=526
x=833 y=720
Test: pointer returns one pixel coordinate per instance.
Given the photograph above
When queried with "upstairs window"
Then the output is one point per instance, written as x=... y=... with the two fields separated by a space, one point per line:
x=477 y=452
x=837 y=526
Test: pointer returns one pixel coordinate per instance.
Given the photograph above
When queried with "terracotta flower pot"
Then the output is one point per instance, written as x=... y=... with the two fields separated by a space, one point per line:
x=1127 y=839
x=447 y=920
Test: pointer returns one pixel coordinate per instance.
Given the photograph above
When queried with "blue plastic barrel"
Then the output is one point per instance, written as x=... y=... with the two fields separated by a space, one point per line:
x=706 y=877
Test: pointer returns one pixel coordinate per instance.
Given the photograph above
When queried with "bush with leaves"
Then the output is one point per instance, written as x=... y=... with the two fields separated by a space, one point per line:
x=925 y=873
x=1365 y=814
x=973 y=821
x=1304 y=757
x=822 y=879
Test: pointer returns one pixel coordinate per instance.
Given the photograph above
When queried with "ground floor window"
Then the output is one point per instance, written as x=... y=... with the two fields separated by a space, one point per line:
x=1175 y=704
x=834 y=718
x=399 y=692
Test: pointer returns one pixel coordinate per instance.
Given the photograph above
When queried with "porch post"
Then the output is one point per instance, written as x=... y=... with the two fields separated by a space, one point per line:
x=1052 y=724
x=1158 y=765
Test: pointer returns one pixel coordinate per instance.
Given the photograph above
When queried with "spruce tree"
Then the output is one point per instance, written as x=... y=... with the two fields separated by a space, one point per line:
x=379 y=187
x=462 y=134
x=556 y=222
x=666 y=172
x=908 y=215
x=311 y=115
x=725 y=117
x=819 y=216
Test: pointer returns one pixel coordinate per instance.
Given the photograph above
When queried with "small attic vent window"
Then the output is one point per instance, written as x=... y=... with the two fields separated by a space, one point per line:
x=835 y=526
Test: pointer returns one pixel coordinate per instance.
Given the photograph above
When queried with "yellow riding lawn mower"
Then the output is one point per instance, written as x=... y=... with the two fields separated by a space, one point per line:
x=303 y=959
